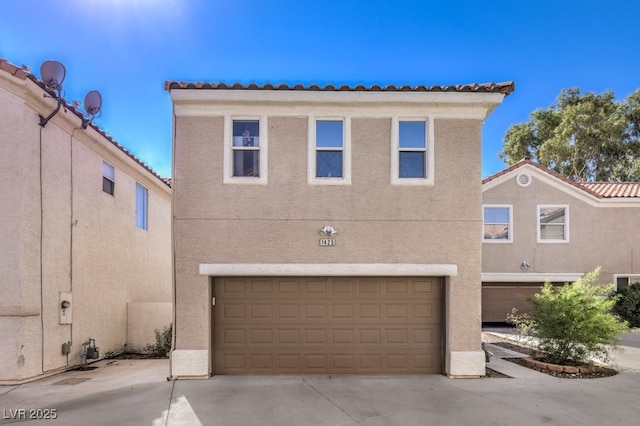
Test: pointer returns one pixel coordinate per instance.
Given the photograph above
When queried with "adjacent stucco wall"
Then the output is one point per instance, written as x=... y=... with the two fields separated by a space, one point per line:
x=20 y=330
x=115 y=262
x=279 y=222
x=62 y=233
x=600 y=231
x=143 y=319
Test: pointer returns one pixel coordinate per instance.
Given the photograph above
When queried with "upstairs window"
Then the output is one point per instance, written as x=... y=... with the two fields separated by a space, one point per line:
x=246 y=148
x=497 y=224
x=412 y=149
x=108 y=178
x=553 y=224
x=329 y=158
x=142 y=198
x=329 y=148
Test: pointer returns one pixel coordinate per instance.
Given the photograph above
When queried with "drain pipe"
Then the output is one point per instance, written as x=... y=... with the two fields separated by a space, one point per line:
x=173 y=250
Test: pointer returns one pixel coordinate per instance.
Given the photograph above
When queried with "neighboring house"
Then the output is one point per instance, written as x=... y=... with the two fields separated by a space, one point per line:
x=85 y=237
x=328 y=229
x=539 y=226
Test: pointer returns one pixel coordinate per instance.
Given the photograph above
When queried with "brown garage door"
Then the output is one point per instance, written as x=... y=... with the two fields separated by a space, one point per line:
x=499 y=299
x=327 y=325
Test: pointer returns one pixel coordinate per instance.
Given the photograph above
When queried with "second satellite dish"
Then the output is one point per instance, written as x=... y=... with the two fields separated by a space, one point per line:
x=93 y=102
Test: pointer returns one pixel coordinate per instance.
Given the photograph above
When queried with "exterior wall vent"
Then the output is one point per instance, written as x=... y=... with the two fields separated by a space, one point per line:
x=524 y=179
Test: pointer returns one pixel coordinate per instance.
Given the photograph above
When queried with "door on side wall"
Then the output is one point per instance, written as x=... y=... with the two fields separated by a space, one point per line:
x=327 y=325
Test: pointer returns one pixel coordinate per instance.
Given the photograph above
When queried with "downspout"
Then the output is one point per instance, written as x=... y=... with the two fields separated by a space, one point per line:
x=173 y=243
x=72 y=223
x=41 y=263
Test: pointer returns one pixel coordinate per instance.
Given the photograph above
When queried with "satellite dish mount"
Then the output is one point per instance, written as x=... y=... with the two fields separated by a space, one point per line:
x=52 y=73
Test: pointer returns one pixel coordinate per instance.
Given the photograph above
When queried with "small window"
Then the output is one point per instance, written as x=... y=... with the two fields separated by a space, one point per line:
x=142 y=197
x=497 y=224
x=329 y=149
x=246 y=148
x=412 y=149
x=626 y=281
x=108 y=178
x=553 y=224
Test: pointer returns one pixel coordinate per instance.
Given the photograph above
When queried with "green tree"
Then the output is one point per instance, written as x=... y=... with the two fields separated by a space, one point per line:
x=572 y=323
x=627 y=304
x=588 y=136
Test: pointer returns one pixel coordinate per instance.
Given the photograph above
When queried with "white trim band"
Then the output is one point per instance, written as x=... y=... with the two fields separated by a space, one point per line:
x=531 y=277
x=327 y=269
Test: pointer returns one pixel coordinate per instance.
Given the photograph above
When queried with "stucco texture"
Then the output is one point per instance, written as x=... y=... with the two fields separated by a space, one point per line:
x=62 y=233
x=377 y=222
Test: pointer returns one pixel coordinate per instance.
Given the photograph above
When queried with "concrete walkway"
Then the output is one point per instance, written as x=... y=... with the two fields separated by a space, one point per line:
x=627 y=358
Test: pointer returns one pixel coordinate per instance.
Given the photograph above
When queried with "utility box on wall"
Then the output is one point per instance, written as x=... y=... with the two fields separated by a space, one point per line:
x=66 y=307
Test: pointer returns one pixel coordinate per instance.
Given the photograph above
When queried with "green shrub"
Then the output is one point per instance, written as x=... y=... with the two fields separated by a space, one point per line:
x=572 y=323
x=162 y=347
x=627 y=305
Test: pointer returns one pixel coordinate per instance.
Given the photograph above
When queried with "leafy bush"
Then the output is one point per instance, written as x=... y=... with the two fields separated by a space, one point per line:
x=627 y=304
x=163 y=342
x=572 y=323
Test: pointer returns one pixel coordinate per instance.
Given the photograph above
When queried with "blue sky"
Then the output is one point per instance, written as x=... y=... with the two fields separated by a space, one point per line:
x=127 y=49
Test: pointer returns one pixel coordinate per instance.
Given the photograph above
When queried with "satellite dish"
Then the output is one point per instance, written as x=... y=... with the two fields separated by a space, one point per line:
x=93 y=102
x=53 y=73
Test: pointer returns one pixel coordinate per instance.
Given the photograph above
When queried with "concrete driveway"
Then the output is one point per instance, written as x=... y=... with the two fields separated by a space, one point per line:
x=136 y=392
x=630 y=339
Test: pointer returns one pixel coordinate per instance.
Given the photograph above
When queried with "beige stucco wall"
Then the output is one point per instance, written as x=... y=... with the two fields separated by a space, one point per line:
x=70 y=237
x=143 y=319
x=601 y=232
x=278 y=223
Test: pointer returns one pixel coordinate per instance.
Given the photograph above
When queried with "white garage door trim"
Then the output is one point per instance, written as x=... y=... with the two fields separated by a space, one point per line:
x=530 y=277
x=327 y=269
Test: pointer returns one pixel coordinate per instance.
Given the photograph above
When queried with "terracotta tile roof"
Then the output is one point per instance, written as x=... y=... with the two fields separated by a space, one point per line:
x=23 y=73
x=506 y=87
x=614 y=189
x=18 y=72
x=597 y=189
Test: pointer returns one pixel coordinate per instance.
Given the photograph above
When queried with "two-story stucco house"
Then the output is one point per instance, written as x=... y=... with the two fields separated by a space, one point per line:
x=85 y=237
x=328 y=229
x=539 y=226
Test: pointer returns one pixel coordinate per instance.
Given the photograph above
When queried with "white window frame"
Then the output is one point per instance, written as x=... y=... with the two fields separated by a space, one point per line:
x=312 y=179
x=428 y=180
x=628 y=276
x=145 y=208
x=111 y=179
x=566 y=223
x=510 y=224
x=227 y=166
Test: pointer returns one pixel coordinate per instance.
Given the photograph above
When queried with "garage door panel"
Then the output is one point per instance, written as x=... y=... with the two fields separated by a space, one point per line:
x=314 y=311
x=342 y=336
x=288 y=336
x=330 y=325
x=260 y=311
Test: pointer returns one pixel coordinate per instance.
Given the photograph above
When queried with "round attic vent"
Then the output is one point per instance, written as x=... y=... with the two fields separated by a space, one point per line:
x=523 y=179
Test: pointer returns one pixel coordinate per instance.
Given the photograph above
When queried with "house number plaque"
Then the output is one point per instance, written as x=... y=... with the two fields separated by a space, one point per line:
x=327 y=233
